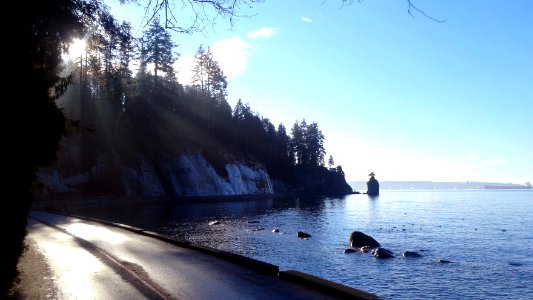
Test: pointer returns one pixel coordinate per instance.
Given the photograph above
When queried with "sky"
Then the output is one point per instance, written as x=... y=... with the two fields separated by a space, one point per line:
x=397 y=94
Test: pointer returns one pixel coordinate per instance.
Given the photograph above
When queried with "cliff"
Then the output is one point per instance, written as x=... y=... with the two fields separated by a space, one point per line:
x=189 y=175
x=184 y=175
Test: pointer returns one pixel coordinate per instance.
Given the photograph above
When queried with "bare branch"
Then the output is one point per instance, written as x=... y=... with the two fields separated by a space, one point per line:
x=204 y=12
x=207 y=12
x=411 y=7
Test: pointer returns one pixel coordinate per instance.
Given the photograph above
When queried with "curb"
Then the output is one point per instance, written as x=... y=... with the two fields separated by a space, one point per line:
x=330 y=287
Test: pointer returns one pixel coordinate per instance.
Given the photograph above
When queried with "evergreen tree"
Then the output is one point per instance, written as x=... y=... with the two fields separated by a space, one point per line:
x=159 y=50
x=298 y=145
x=314 y=140
x=284 y=147
x=199 y=77
x=208 y=75
x=39 y=38
x=331 y=162
x=308 y=144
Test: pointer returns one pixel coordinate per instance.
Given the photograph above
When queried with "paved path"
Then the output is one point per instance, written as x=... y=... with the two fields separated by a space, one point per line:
x=94 y=260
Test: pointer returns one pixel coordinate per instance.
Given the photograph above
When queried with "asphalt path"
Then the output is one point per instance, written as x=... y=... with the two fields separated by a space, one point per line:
x=99 y=260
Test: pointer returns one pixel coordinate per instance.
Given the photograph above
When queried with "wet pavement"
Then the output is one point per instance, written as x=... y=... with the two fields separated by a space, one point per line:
x=100 y=260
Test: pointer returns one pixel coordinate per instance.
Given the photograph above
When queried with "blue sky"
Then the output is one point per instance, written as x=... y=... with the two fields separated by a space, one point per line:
x=403 y=96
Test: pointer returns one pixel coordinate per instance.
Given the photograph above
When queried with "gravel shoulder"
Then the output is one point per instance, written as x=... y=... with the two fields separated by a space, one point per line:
x=35 y=279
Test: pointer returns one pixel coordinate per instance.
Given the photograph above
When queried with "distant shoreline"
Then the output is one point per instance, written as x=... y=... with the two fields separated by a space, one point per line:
x=435 y=185
x=507 y=187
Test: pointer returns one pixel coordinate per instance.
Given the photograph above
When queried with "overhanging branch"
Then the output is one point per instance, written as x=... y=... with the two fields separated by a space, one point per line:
x=411 y=7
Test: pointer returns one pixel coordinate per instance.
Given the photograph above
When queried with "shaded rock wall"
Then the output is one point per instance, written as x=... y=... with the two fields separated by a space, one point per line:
x=185 y=175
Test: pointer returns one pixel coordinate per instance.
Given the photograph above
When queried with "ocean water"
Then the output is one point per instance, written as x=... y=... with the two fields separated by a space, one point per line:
x=487 y=235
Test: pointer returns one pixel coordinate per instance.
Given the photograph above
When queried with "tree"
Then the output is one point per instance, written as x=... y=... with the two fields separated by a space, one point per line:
x=308 y=144
x=283 y=143
x=340 y=171
x=298 y=145
x=208 y=75
x=41 y=35
x=331 y=162
x=199 y=76
x=159 y=50
x=314 y=140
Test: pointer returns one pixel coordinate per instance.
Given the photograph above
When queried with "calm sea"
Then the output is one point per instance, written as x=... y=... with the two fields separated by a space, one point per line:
x=487 y=235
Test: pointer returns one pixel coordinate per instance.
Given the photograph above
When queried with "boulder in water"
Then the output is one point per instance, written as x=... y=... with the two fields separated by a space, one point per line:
x=303 y=235
x=359 y=239
x=382 y=253
x=411 y=254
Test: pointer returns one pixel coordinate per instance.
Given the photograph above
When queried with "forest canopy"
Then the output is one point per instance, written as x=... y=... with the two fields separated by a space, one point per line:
x=147 y=114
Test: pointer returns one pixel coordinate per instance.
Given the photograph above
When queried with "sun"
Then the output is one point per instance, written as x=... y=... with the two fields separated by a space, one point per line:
x=76 y=48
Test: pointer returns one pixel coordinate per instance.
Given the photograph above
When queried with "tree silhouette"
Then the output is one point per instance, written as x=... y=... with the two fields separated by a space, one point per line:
x=331 y=162
x=307 y=144
x=208 y=75
x=159 y=49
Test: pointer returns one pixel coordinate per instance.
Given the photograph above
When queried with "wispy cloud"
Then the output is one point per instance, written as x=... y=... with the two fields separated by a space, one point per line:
x=306 y=19
x=231 y=54
x=263 y=32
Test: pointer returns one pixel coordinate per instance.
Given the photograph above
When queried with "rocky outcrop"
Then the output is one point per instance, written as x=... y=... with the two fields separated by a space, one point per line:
x=314 y=180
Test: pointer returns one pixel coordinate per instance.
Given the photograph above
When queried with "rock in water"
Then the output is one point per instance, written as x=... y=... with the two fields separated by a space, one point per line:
x=411 y=254
x=383 y=253
x=359 y=239
x=303 y=235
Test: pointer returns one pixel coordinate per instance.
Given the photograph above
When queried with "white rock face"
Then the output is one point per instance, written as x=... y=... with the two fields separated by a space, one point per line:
x=186 y=175
x=192 y=175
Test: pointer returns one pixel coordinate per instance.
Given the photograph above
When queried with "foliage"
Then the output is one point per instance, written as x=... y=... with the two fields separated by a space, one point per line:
x=331 y=162
x=158 y=50
x=42 y=33
x=308 y=144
